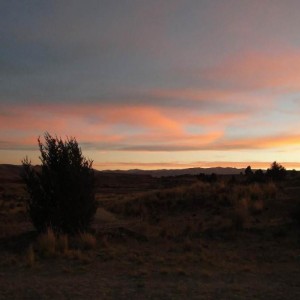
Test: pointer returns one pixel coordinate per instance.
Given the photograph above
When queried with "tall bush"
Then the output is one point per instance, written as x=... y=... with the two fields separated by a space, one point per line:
x=61 y=192
x=276 y=172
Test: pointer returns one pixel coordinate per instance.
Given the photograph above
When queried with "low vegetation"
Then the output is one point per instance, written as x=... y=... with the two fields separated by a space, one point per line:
x=201 y=235
x=200 y=195
x=61 y=193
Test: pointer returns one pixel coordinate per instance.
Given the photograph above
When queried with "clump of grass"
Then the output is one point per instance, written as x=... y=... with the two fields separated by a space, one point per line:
x=255 y=191
x=240 y=215
x=49 y=245
x=151 y=204
x=257 y=206
x=270 y=190
x=30 y=257
x=46 y=243
x=62 y=243
x=77 y=254
x=87 y=241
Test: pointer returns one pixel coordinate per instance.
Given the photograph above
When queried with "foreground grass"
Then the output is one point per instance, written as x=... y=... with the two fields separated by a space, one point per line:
x=226 y=242
x=232 y=204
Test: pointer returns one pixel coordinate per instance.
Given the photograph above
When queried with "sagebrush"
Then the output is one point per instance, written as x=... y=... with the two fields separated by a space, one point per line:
x=61 y=192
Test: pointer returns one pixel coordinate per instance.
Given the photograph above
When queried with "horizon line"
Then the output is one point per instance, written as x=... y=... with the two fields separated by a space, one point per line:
x=127 y=166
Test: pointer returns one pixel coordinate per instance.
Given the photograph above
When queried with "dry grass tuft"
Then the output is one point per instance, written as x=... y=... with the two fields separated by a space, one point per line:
x=240 y=215
x=30 y=257
x=62 y=243
x=77 y=254
x=270 y=190
x=87 y=241
x=46 y=243
x=257 y=206
x=152 y=206
x=50 y=245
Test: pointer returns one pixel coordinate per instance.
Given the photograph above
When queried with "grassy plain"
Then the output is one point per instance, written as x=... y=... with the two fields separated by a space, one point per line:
x=158 y=238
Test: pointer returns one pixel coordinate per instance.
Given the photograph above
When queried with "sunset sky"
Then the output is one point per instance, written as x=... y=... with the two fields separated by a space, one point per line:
x=153 y=84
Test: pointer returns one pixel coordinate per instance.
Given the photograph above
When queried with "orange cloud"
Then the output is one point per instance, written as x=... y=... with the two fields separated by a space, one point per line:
x=91 y=124
x=149 y=117
x=136 y=128
x=100 y=115
x=178 y=142
x=264 y=142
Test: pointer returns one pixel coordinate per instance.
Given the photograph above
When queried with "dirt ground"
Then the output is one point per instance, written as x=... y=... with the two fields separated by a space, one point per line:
x=130 y=261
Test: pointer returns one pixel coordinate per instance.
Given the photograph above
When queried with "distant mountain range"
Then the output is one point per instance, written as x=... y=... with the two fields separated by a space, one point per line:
x=12 y=172
x=178 y=172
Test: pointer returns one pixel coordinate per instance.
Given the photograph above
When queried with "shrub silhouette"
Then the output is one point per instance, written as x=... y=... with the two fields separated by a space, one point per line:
x=259 y=176
x=248 y=171
x=61 y=193
x=277 y=172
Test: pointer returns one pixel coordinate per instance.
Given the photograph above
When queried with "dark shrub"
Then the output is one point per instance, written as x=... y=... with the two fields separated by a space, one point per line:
x=248 y=171
x=259 y=176
x=62 y=191
x=277 y=172
x=208 y=178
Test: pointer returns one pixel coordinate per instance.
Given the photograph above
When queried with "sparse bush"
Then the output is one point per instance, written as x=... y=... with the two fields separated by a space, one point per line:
x=62 y=192
x=248 y=171
x=258 y=176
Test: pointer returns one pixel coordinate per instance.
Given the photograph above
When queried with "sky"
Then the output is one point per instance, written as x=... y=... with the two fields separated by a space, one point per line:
x=153 y=84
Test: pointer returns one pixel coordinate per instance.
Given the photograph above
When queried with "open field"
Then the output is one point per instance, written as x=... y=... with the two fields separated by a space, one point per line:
x=159 y=238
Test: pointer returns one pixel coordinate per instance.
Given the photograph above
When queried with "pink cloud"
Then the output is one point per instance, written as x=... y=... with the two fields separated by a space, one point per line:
x=280 y=71
x=20 y=125
x=177 y=142
x=154 y=128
